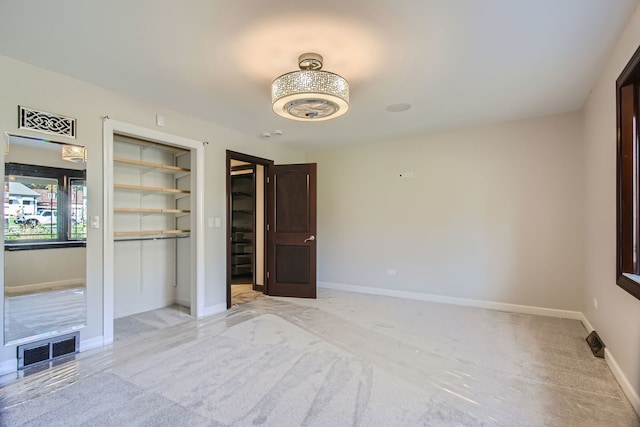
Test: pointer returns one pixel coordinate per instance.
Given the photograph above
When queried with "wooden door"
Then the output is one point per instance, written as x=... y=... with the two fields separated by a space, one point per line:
x=292 y=231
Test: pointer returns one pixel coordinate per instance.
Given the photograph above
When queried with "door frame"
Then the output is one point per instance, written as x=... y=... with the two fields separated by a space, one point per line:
x=234 y=155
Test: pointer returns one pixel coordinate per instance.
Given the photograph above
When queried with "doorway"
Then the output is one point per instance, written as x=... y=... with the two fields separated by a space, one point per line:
x=275 y=248
x=246 y=227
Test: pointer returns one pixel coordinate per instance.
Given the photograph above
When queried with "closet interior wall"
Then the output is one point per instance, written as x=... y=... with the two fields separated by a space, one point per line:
x=151 y=226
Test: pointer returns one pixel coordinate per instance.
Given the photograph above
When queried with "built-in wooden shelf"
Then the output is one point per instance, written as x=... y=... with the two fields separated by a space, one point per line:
x=154 y=211
x=151 y=189
x=149 y=232
x=165 y=206
x=158 y=166
x=146 y=144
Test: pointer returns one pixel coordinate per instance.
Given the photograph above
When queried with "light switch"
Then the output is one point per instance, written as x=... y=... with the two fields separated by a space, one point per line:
x=95 y=222
x=218 y=222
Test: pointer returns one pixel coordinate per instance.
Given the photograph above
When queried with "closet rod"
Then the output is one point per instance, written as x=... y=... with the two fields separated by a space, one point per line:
x=131 y=239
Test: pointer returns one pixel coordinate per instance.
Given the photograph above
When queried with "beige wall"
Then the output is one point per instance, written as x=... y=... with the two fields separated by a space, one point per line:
x=491 y=213
x=23 y=84
x=53 y=265
x=617 y=318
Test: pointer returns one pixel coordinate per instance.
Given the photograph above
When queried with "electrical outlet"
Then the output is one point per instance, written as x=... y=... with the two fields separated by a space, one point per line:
x=595 y=303
x=391 y=272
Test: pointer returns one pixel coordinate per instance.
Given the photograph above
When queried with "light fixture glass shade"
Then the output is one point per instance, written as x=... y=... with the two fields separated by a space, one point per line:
x=310 y=95
x=74 y=153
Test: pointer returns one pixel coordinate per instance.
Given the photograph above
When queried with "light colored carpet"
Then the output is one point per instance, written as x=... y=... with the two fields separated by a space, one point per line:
x=136 y=325
x=342 y=360
x=42 y=314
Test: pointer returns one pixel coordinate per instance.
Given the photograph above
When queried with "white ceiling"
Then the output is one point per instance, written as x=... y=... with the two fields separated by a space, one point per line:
x=458 y=62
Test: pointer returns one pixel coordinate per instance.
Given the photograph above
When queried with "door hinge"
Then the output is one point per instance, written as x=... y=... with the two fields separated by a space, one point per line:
x=267 y=274
x=268 y=180
x=267 y=227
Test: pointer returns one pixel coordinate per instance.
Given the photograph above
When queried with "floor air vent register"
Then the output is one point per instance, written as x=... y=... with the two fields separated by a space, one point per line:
x=595 y=344
x=47 y=350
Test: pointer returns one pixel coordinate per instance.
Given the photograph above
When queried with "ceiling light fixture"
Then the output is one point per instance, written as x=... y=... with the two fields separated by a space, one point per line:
x=74 y=153
x=310 y=94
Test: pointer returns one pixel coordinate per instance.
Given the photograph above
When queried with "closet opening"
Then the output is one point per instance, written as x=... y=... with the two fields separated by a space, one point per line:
x=246 y=227
x=154 y=236
x=152 y=228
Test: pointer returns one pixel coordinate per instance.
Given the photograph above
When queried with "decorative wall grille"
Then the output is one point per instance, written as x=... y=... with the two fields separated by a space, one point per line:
x=42 y=121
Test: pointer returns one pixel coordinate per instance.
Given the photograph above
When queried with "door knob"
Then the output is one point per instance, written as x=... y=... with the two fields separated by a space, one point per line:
x=310 y=239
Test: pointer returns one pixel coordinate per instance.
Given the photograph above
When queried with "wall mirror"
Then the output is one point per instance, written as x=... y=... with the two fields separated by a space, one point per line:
x=45 y=229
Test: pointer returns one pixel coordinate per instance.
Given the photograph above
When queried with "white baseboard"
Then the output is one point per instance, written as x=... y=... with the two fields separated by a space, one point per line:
x=91 y=343
x=515 y=308
x=586 y=324
x=214 y=309
x=58 y=284
x=626 y=386
x=8 y=366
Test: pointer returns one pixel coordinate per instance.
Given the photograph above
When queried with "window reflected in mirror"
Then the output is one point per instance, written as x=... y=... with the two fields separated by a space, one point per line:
x=44 y=204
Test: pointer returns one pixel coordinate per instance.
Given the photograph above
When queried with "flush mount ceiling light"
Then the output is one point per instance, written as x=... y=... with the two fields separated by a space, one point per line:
x=74 y=153
x=310 y=94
